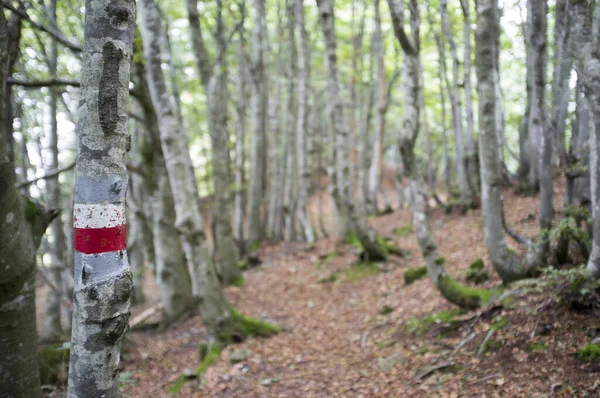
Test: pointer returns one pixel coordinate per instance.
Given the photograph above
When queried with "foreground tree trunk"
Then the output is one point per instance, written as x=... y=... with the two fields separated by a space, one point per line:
x=103 y=282
x=22 y=224
x=503 y=259
x=344 y=202
x=450 y=289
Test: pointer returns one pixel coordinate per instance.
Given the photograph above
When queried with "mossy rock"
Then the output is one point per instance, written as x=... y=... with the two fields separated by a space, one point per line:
x=477 y=273
x=54 y=364
x=252 y=327
x=413 y=274
x=589 y=353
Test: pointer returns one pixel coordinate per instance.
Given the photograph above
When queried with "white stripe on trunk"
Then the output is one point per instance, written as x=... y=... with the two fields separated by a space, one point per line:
x=98 y=215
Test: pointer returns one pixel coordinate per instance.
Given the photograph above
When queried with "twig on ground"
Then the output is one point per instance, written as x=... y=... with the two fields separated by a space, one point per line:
x=434 y=369
x=462 y=344
x=363 y=341
x=488 y=336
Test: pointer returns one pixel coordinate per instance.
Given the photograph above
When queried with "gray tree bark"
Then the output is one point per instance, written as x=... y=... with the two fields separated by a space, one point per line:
x=21 y=229
x=344 y=202
x=412 y=87
x=214 y=79
x=172 y=276
x=103 y=282
x=503 y=259
x=57 y=243
x=539 y=126
x=259 y=105
x=471 y=153
x=375 y=168
x=454 y=95
x=302 y=123
x=214 y=308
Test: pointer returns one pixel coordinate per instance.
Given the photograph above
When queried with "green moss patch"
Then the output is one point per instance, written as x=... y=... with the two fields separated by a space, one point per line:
x=252 y=327
x=534 y=347
x=420 y=326
x=54 y=364
x=361 y=271
x=386 y=309
x=404 y=230
x=413 y=274
x=331 y=278
x=239 y=282
x=589 y=353
x=463 y=296
x=491 y=346
x=477 y=273
x=208 y=356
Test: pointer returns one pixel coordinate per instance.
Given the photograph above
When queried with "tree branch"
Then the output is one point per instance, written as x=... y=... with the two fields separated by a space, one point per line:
x=42 y=83
x=512 y=233
x=50 y=174
x=57 y=34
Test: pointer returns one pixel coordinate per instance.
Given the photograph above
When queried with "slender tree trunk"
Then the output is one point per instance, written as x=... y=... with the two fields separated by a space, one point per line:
x=533 y=136
x=563 y=63
x=471 y=153
x=443 y=80
x=302 y=123
x=377 y=154
x=278 y=144
x=214 y=80
x=214 y=308
x=590 y=67
x=503 y=259
x=239 y=142
x=259 y=105
x=290 y=151
x=538 y=126
x=412 y=87
x=57 y=243
x=454 y=95
x=343 y=198
x=103 y=282
x=172 y=276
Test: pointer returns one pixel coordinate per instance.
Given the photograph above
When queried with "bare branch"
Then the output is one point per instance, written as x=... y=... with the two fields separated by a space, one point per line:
x=57 y=34
x=50 y=174
x=42 y=83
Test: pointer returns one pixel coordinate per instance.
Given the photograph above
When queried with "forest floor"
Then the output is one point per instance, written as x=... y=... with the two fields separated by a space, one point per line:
x=349 y=335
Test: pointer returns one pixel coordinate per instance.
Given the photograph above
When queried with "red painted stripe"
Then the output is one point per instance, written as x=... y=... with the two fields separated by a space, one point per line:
x=100 y=240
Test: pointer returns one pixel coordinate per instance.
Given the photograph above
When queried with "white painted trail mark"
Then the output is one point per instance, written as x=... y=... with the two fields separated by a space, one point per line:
x=92 y=216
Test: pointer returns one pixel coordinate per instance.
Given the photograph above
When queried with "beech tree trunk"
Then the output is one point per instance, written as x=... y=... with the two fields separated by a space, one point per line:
x=214 y=308
x=302 y=123
x=22 y=224
x=57 y=243
x=454 y=95
x=240 y=136
x=590 y=67
x=214 y=79
x=344 y=202
x=375 y=168
x=539 y=126
x=471 y=153
x=504 y=260
x=259 y=105
x=172 y=276
x=103 y=282
x=452 y=291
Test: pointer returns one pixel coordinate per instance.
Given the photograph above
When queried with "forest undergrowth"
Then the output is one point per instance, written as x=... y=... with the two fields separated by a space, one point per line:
x=352 y=330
